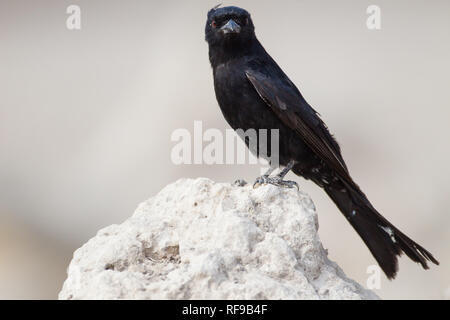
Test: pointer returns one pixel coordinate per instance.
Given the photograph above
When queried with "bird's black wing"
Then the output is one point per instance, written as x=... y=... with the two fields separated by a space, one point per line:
x=281 y=95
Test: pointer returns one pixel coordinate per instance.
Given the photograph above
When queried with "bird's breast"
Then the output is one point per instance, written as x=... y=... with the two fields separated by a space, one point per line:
x=243 y=108
x=239 y=102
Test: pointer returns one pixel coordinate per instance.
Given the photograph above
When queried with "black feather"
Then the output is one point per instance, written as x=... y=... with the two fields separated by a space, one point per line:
x=254 y=93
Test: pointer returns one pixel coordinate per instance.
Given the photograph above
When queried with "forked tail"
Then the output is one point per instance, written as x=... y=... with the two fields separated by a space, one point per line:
x=383 y=239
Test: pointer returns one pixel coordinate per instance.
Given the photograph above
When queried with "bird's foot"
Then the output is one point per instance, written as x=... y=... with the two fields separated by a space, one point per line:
x=276 y=181
x=240 y=183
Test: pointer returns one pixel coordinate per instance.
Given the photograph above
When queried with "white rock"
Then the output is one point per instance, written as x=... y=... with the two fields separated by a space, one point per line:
x=198 y=239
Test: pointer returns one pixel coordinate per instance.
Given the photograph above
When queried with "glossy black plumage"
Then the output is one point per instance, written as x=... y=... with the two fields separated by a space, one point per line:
x=254 y=93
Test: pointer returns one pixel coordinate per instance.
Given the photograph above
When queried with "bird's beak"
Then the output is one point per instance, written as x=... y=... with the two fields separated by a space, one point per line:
x=231 y=27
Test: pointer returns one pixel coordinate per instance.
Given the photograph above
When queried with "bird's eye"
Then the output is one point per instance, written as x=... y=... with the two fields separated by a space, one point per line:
x=246 y=21
x=214 y=24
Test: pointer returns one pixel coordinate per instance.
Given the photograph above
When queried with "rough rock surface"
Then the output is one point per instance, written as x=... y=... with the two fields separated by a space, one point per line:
x=198 y=239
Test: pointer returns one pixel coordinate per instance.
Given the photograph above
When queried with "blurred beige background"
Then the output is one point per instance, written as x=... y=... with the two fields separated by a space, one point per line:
x=86 y=118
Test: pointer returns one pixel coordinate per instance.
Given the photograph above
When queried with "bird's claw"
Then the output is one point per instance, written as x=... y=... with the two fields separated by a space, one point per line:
x=240 y=182
x=289 y=184
x=260 y=181
x=276 y=181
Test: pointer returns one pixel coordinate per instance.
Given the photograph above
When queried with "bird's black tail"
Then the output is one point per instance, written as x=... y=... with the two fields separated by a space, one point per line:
x=384 y=240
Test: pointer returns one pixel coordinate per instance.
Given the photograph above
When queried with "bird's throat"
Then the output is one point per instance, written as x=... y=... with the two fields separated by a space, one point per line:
x=226 y=51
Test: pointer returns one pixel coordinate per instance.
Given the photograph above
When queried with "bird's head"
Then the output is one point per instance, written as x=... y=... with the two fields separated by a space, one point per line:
x=228 y=27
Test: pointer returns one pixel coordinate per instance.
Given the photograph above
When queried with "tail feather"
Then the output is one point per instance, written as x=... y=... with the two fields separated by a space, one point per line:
x=383 y=239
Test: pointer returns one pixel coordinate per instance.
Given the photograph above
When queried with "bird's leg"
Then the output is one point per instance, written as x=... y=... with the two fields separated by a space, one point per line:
x=264 y=178
x=286 y=169
x=278 y=179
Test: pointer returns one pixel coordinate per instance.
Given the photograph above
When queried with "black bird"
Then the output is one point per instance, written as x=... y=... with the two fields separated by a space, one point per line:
x=254 y=93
